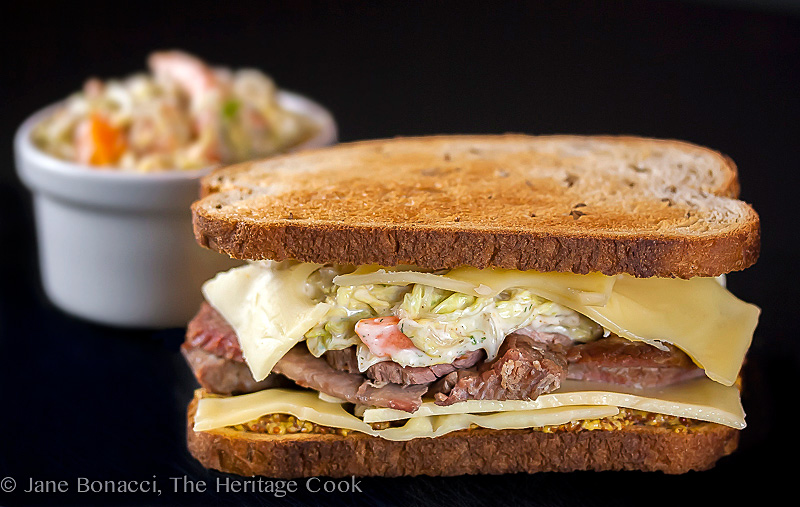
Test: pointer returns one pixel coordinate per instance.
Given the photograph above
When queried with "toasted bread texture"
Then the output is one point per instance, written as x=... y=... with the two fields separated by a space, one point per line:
x=475 y=451
x=614 y=205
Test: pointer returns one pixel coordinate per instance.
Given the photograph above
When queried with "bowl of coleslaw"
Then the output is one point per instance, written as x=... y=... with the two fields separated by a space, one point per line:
x=112 y=177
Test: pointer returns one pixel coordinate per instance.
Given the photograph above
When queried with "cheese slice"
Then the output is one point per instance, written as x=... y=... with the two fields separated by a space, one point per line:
x=217 y=412
x=329 y=398
x=699 y=315
x=701 y=399
x=591 y=289
x=436 y=426
x=267 y=307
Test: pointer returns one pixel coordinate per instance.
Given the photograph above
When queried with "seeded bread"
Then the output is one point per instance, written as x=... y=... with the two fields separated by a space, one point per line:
x=640 y=206
x=476 y=451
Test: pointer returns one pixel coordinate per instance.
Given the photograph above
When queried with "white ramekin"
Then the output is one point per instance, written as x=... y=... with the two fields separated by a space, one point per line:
x=117 y=248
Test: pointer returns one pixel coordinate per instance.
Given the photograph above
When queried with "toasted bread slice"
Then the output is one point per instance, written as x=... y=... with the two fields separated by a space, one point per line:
x=640 y=206
x=474 y=451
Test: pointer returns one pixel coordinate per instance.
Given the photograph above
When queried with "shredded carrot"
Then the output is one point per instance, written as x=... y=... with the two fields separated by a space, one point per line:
x=108 y=142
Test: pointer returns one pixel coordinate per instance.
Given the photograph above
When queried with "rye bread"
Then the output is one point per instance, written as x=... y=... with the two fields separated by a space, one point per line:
x=476 y=451
x=640 y=206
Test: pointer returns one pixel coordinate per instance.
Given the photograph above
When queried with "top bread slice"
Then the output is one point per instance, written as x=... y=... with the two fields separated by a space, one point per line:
x=645 y=207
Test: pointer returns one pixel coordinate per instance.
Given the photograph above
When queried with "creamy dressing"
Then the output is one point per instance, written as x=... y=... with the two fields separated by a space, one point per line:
x=441 y=324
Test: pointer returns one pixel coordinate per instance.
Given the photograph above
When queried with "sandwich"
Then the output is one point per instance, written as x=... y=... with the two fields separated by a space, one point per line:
x=454 y=305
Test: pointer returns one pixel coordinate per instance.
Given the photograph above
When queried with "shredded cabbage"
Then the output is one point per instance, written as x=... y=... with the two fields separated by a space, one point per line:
x=442 y=324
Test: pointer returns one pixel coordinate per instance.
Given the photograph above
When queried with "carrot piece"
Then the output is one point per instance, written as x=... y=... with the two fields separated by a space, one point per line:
x=99 y=142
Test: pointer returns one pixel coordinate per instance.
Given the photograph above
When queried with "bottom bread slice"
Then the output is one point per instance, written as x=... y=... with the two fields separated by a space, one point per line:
x=474 y=451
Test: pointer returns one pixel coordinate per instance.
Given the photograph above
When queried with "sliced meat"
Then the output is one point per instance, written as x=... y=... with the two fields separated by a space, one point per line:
x=546 y=338
x=469 y=359
x=224 y=376
x=389 y=371
x=213 y=352
x=308 y=371
x=528 y=364
x=637 y=364
x=524 y=368
x=406 y=398
x=343 y=360
x=215 y=357
x=209 y=331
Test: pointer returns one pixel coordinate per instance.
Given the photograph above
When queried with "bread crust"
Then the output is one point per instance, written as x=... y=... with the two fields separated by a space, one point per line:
x=430 y=248
x=263 y=211
x=478 y=451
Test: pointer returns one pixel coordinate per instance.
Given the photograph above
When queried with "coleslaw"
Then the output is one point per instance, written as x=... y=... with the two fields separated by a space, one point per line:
x=437 y=325
x=183 y=115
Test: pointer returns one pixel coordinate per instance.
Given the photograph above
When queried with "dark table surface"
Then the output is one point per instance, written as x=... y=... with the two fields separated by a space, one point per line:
x=82 y=401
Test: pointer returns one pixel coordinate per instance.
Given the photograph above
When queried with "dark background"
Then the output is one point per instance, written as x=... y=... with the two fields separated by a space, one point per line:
x=81 y=400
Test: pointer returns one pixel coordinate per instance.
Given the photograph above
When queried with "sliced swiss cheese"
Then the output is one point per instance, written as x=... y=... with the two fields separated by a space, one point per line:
x=593 y=288
x=219 y=412
x=701 y=399
x=699 y=316
x=436 y=426
x=268 y=309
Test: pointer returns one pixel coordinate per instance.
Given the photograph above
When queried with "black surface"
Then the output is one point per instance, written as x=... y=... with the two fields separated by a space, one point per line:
x=80 y=400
